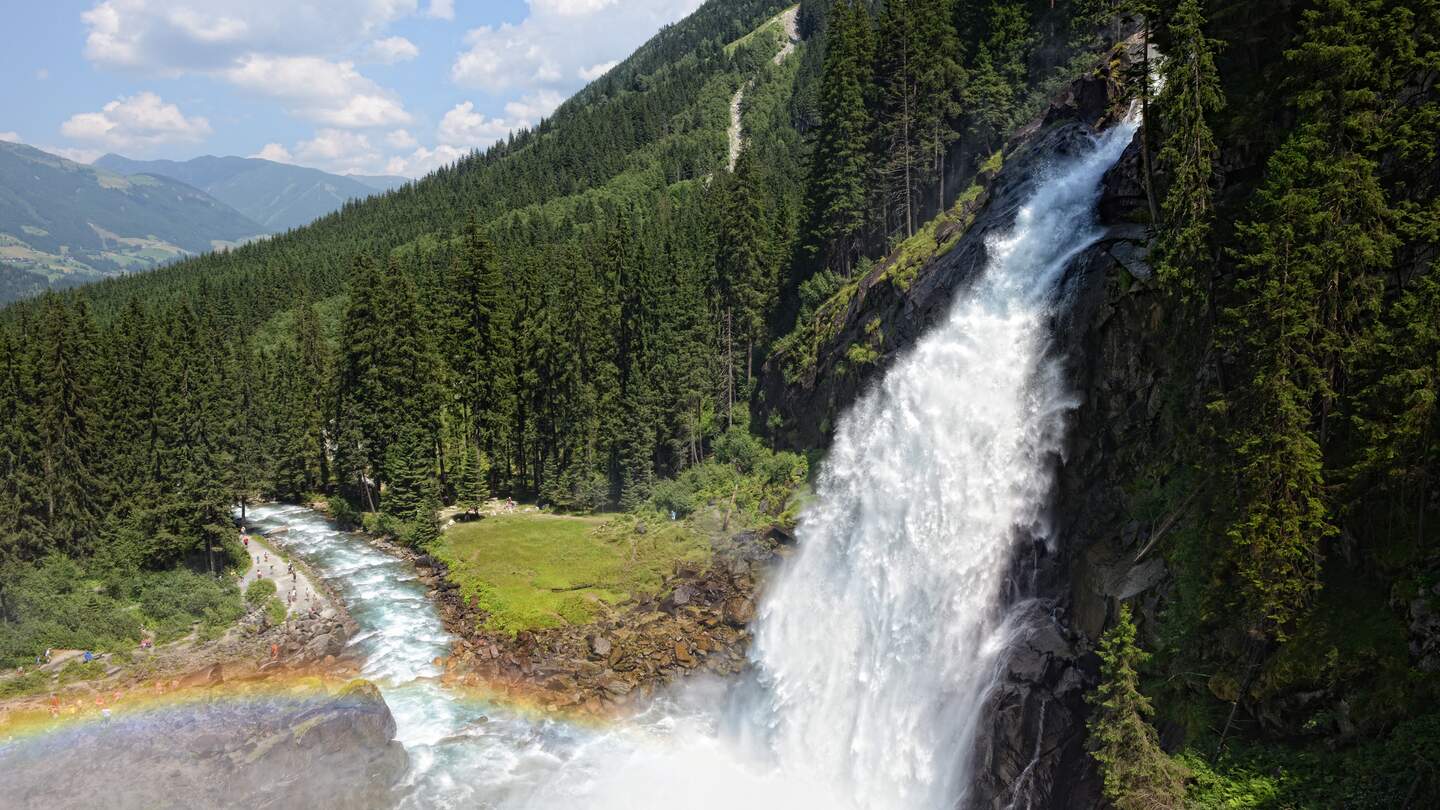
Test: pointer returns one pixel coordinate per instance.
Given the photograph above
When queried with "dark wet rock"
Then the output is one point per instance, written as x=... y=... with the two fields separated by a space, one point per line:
x=235 y=751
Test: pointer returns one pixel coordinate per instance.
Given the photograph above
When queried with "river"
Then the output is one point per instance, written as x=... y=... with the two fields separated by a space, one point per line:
x=878 y=642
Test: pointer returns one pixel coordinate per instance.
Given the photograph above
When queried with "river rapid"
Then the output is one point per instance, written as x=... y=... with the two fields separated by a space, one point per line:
x=877 y=644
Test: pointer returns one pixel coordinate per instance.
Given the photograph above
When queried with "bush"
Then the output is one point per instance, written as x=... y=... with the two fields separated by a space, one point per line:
x=173 y=601
x=342 y=512
x=56 y=604
x=673 y=497
x=27 y=684
x=381 y=524
x=259 y=591
x=275 y=612
x=738 y=448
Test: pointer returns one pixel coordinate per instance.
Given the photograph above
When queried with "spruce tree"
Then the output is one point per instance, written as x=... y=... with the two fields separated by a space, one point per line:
x=840 y=167
x=1192 y=92
x=1137 y=773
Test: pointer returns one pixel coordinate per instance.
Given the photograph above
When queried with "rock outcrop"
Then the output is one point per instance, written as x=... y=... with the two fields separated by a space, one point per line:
x=255 y=751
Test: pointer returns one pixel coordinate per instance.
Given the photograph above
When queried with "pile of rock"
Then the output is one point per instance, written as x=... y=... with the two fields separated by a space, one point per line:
x=309 y=640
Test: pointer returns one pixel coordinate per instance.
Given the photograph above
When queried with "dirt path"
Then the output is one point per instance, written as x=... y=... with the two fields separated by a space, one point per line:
x=788 y=18
x=268 y=563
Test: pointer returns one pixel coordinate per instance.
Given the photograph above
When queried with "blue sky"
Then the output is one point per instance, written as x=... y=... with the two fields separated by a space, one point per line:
x=350 y=86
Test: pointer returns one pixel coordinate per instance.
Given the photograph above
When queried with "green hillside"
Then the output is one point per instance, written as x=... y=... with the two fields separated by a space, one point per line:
x=73 y=223
x=276 y=195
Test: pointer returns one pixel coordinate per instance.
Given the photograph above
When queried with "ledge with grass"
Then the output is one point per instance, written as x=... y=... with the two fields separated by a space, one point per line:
x=584 y=614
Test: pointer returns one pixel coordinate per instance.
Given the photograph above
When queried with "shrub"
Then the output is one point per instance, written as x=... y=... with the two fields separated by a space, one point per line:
x=342 y=512
x=673 y=497
x=275 y=612
x=259 y=591
x=739 y=448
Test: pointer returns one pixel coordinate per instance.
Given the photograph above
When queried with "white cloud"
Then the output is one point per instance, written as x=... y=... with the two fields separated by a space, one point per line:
x=77 y=155
x=392 y=49
x=339 y=151
x=560 y=41
x=530 y=109
x=463 y=126
x=423 y=161
x=169 y=37
x=400 y=139
x=596 y=70
x=331 y=93
x=41 y=74
x=441 y=9
x=12 y=136
x=275 y=152
x=136 y=122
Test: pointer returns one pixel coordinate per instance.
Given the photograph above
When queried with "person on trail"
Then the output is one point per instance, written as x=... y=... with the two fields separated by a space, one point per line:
x=54 y=705
x=88 y=656
x=274 y=651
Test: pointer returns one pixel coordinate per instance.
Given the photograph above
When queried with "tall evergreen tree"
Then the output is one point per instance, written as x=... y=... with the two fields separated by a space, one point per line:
x=840 y=164
x=1192 y=92
x=1137 y=773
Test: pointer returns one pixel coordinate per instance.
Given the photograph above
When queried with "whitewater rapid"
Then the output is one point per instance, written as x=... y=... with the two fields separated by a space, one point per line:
x=878 y=642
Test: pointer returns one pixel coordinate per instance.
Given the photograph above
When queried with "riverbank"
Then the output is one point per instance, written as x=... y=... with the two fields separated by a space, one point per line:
x=312 y=638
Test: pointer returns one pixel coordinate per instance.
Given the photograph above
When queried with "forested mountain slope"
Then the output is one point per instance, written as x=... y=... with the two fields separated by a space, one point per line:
x=583 y=313
x=276 y=195
x=72 y=223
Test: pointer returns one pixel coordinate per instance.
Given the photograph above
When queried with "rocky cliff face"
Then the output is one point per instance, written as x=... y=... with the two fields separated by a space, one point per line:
x=1031 y=752
x=235 y=751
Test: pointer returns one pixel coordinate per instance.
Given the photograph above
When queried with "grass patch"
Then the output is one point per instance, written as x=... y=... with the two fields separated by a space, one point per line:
x=771 y=32
x=531 y=571
x=927 y=244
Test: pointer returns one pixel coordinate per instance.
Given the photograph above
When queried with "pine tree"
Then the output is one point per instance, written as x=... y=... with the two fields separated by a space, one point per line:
x=749 y=273
x=1319 y=236
x=898 y=68
x=1137 y=773
x=840 y=167
x=471 y=489
x=66 y=426
x=940 y=88
x=425 y=527
x=1192 y=92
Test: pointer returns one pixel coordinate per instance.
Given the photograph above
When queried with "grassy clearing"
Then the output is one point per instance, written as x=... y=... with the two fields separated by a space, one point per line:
x=535 y=570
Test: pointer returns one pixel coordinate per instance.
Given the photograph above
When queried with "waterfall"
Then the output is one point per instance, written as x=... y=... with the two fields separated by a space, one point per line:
x=879 y=642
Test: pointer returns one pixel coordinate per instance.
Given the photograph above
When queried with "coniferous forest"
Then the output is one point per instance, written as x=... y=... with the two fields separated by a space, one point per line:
x=583 y=312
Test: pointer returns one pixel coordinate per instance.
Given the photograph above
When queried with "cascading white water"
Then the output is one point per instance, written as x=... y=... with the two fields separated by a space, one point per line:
x=880 y=640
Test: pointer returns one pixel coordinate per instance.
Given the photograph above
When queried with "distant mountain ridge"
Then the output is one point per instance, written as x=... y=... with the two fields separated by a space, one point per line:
x=279 y=196
x=65 y=223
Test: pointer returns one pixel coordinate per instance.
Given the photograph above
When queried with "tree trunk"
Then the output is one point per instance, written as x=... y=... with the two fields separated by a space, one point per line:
x=1145 y=129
